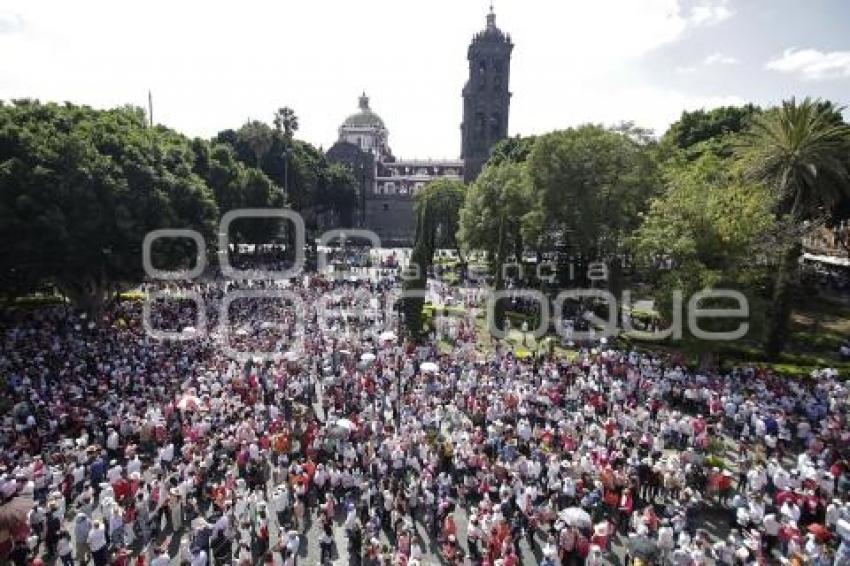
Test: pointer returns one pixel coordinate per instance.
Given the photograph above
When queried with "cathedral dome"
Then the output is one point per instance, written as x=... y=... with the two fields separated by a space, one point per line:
x=365 y=118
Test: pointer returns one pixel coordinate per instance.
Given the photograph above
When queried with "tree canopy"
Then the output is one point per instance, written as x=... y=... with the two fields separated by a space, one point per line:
x=80 y=190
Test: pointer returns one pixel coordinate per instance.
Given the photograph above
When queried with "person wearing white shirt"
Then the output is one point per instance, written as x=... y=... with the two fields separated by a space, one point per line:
x=97 y=543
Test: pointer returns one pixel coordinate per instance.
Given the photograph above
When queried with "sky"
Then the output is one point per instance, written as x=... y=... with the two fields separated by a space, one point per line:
x=213 y=65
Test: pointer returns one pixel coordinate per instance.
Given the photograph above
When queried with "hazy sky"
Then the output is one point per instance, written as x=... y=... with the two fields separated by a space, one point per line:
x=211 y=65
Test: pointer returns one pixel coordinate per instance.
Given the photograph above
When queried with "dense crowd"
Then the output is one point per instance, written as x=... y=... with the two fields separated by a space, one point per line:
x=117 y=448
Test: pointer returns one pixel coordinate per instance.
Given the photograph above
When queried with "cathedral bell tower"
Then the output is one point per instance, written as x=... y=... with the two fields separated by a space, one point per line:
x=486 y=98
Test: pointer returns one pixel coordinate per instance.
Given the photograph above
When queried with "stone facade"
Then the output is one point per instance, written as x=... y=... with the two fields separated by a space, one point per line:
x=486 y=98
x=387 y=185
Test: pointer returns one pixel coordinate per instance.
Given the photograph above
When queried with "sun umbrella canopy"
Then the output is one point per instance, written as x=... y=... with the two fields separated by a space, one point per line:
x=576 y=517
x=429 y=367
x=367 y=357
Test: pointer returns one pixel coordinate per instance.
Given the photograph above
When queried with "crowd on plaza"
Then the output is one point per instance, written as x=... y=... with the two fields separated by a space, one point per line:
x=118 y=448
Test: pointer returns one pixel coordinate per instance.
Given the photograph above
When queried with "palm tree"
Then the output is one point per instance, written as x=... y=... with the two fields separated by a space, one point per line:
x=800 y=152
x=286 y=121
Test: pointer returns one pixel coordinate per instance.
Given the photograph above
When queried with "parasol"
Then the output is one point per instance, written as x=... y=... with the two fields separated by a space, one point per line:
x=346 y=424
x=429 y=367
x=241 y=332
x=367 y=357
x=575 y=517
x=388 y=336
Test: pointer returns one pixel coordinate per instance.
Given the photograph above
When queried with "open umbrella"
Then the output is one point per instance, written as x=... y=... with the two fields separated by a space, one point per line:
x=643 y=547
x=575 y=517
x=387 y=336
x=367 y=357
x=346 y=424
x=241 y=332
x=429 y=367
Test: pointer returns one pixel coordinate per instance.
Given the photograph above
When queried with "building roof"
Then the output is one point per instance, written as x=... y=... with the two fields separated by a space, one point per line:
x=365 y=118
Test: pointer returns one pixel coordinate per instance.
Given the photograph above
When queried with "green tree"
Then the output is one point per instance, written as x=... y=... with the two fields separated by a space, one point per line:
x=700 y=126
x=336 y=193
x=590 y=185
x=80 y=190
x=236 y=185
x=285 y=121
x=799 y=152
x=437 y=208
x=257 y=136
x=496 y=213
x=514 y=150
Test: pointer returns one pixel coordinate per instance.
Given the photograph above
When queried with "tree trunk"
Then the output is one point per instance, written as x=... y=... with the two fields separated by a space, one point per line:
x=779 y=317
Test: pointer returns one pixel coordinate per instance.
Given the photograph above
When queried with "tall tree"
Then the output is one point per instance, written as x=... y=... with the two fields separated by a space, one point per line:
x=258 y=137
x=799 y=152
x=79 y=190
x=706 y=231
x=437 y=208
x=496 y=213
x=286 y=121
x=590 y=185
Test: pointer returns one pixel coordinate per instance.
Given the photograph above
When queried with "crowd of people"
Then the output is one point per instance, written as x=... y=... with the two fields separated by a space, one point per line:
x=354 y=444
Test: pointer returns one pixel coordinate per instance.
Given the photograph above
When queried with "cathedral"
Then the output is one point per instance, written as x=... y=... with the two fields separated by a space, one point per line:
x=386 y=185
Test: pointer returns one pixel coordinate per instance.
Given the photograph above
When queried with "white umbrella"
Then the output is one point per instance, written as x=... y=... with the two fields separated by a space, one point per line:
x=241 y=332
x=291 y=356
x=266 y=325
x=429 y=367
x=387 y=336
x=190 y=330
x=575 y=517
x=367 y=357
x=346 y=424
